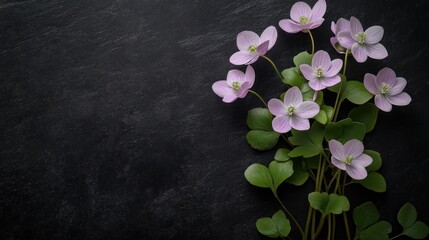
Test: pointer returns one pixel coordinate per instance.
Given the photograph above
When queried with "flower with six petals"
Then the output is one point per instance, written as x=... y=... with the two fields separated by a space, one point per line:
x=387 y=89
x=303 y=17
x=292 y=112
x=236 y=85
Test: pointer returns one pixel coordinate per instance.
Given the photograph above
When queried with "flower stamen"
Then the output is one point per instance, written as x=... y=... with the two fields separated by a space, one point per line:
x=236 y=86
x=252 y=49
x=348 y=160
x=290 y=110
x=361 y=37
x=385 y=88
x=303 y=20
x=319 y=72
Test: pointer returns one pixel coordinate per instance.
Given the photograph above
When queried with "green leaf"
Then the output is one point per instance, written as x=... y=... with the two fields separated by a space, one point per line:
x=374 y=181
x=259 y=119
x=282 y=223
x=378 y=231
x=292 y=76
x=321 y=117
x=262 y=140
x=266 y=226
x=302 y=58
x=300 y=174
x=376 y=160
x=304 y=151
x=329 y=111
x=312 y=163
x=345 y=130
x=407 y=215
x=282 y=155
x=336 y=87
x=366 y=114
x=418 y=230
x=280 y=171
x=365 y=215
x=259 y=175
x=356 y=93
x=327 y=204
x=307 y=92
x=311 y=137
x=319 y=98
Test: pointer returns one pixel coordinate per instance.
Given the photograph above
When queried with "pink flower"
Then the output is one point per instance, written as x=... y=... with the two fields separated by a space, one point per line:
x=350 y=157
x=323 y=72
x=387 y=89
x=363 y=44
x=303 y=17
x=236 y=85
x=292 y=112
x=252 y=46
x=341 y=25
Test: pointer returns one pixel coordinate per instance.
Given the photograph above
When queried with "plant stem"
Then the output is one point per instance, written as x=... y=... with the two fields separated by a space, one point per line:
x=259 y=96
x=346 y=221
x=290 y=215
x=307 y=223
x=319 y=228
x=333 y=179
x=338 y=183
x=337 y=102
x=333 y=227
x=396 y=236
x=345 y=62
x=312 y=41
x=329 y=227
x=274 y=66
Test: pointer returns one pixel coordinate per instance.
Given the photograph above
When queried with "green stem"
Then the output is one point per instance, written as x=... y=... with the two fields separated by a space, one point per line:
x=290 y=215
x=346 y=221
x=337 y=100
x=396 y=236
x=333 y=227
x=333 y=179
x=338 y=183
x=345 y=62
x=319 y=228
x=274 y=66
x=307 y=223
x=259 y=96
x=329 y=227
x=312 y=41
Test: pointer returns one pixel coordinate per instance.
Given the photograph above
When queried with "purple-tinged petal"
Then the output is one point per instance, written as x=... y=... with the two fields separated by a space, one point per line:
x=335 y=68
x=345 y=39
x=230 y=98
x=334 y=27
x=242 y=58
x=243 y=90
x=254 y=59
x=300 y=9
x=316 y=23
x=386 y=75
x=353 y=148
x=369 y=80
x=363 y=160
x=307 y=109
x=245 y=39
x=331 y=81
x=336 y=149
x=382 y=103
x=269 y=34
x=221 y=88
x=343 y=25
x=249 y=76
x=293 y=97
x=399 y=86
x=298 y=123
x=289 y=26
x=307 y=71
x=281 y=124
x=316 y=85
x=376 y=51
x=356 y=172
x=355 y=27
x=359 y=53
x=321 y=59
x=234 y=76
x=263 y=48
x=337 y=163
x=318 y=10
x=401 y=99
x=276 y=107
x=374 y=34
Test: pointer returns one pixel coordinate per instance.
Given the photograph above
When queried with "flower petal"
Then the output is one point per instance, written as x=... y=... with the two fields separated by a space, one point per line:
x=334 y=27
x=386 y=75
x=221 y=88
x=331 y=81
x=355 y=27
x=343 y=25
x=356 y=172
x=243 y=90
x=374 y=34
x=249 y=76
x=307 y=71
x=336 y=149
x=369 y=81
x=401 y=99
x=263 y=48
x=307 y=109
x=281 y=124
x=298 y=123
x=300 y=9
x=230 y=98
x=359 y=53
x=345 y=39
x=353 y=148
x=234 y=76
x=363 y=160
x=316 y=23
x=316 y=85
x=321 y=59
x=399 y=86
x=269 y=34
x=242 y=58
x=289 y=26
x=276 y=107
x=318 y=10
x=376 y=51
x=335 y=68
x=382 y=103
x=337 y=163
x=293 y=97
x=245 y=39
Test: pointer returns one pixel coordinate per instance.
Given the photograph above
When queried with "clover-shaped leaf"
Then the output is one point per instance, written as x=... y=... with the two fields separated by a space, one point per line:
x=376 y=160
x=302 y=58
x=328 y=203
x=304 y=151
x=262 y=136
x=312 y=137
x=282 y=155
x=280 y=171
x=407 y=217
x=377 y=231
x=277 y=225
x=374 y=181
x=368 y=226
x=356 y=93
x=345 y=130
x=300 y=174
x=293 y=77
x=366 y=114
x=259 y=175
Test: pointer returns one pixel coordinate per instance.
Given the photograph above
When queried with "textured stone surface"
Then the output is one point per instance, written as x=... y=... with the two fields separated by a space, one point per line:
x=110 y=130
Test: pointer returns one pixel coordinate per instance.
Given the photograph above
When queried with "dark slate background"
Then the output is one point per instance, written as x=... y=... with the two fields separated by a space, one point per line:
x=110 y=130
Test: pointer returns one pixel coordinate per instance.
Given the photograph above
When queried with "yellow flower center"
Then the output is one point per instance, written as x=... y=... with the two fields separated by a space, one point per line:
x=348 y=160
x=385 y=88
x=303 y=20
x=319 y=72
x=290 y=110
x=361 y=37
x=236 y=86
x=252 y=49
